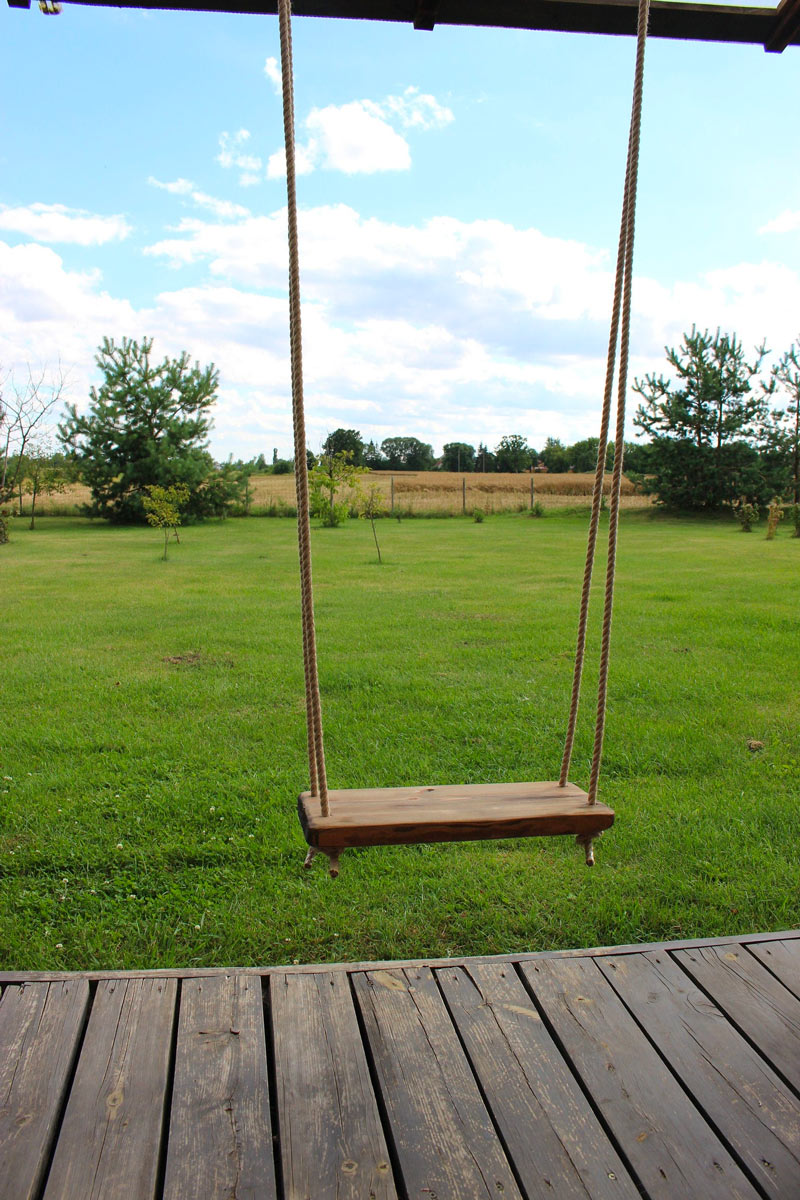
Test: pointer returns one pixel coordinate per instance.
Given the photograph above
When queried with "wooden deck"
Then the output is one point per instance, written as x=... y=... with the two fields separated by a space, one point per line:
x=666 y=1071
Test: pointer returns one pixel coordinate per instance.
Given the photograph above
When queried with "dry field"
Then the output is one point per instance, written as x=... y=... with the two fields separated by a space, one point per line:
x=422 y=492
x=450 y=492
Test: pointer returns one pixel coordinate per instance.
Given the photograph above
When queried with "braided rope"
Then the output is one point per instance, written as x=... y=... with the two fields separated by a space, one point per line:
x=316 y=749
x=621 y=304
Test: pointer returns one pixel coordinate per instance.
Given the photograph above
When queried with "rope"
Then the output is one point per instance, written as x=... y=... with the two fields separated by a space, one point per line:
x=621 y=304
x=316 y=749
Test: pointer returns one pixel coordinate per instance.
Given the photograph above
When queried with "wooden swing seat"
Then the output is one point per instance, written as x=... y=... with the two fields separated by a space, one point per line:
x=402 y=816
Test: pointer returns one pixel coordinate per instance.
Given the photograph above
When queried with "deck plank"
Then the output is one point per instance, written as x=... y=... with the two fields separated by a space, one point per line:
x=332 y=1142
x=220 y=1135
x=549 y=1129
x=766 y=1012
x=782 y=959
x=40 y=1028
x=108 y=1147
x=668 y=1144
x=444 y=1139
x=746 y=1101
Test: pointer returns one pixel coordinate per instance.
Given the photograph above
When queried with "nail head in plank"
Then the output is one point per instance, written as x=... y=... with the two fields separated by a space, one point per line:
x=40 y=1027
x=765 y=1011
x=448 y=812
x=332 y=1142
x=108 y=1146
x=667 y=1142
x=220 y=1133
x=744 y=1099
x=444 y=1140
x=548 y=1127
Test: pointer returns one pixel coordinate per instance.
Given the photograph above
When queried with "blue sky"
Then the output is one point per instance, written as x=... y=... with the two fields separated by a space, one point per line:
x=460 y=206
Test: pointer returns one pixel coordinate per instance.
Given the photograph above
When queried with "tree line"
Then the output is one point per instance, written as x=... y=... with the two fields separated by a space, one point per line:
x=720 y=431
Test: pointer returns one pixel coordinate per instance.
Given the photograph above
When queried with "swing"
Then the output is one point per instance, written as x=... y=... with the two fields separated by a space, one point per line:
x=333 y=819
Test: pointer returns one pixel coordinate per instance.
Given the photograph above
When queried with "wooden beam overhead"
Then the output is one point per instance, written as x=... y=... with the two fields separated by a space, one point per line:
x=787 y=27
x=773 y=28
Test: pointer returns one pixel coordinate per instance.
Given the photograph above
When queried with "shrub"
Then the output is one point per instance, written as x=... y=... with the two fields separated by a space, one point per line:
x=477 y=515
x=746 y=514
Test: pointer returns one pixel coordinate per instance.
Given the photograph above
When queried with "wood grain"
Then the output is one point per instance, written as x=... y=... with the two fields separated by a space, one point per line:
x=444 y=1139
x=447 y=813
x=332 y=1143
x=549 y=1129
x=766 y=1012
x=40 y=1028
x=782 y=959
x=752 y=1108
x=220 y=1135
x=109 y=1142
x=664 y=1138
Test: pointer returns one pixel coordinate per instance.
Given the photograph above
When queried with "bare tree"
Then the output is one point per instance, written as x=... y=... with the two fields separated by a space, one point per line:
x=23 y=409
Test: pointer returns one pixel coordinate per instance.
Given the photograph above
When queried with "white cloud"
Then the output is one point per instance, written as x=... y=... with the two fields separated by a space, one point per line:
x=360 y=138
x=416 y=110
x=178 y=187
x=273 y=73
x=231 y=155
x=786 y=222
x=223 y=209
x=57 y=223
x=355 y=138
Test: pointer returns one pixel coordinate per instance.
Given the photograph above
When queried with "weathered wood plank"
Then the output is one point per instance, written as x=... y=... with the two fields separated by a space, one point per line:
x=765 y=1011
x=446 y=813
x=782 y=959
x=109 y=1141
x=666 y=1141
x=220 y=1133
x=332 y=1143
x=40 y=1028
x=444 y=1140
x=746 y=1101
x=548 y=1127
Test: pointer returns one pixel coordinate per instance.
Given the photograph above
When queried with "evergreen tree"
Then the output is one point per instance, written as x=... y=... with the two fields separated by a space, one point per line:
x=703 y=423
x=147 y=425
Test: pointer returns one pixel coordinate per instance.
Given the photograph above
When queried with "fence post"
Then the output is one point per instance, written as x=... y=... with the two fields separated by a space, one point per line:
x=463 y=495
x=391 y=481
x=531 y=491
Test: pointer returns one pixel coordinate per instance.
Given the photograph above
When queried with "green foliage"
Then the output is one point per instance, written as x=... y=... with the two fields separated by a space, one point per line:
x=746 y=514
x=484 y=459
x=44 y=474
x=512 y=453
x=333 y=474
x=163 y=507
x=703 y=423
x=283 y=466
x=478 y=515
x=555 y=456
x=147 y=425
x=794 y=517
x=538 y=510
x=786 y=380
x=347 y=441
x=406 y=454
x=458 y=456
x=373 y=459
x=371 y=505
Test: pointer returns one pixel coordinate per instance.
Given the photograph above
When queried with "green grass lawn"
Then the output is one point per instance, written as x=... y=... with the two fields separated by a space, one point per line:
x=153 y=738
